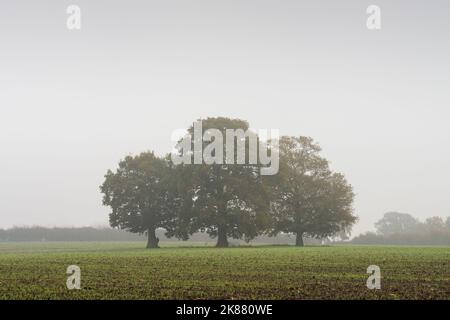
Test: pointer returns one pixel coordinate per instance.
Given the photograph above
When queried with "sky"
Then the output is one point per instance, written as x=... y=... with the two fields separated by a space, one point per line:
x=75 y=102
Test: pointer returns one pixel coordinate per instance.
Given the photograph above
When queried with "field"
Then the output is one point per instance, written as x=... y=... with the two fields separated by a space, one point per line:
x=128 y=271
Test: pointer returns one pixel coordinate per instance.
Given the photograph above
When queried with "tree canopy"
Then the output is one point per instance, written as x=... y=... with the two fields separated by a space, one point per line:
x=395 y=222
x=307 y=197
x=403 y=228
x=230 y=197
x=139 y=194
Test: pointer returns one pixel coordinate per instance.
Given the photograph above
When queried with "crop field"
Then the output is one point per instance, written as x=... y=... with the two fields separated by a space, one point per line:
x=125 y=270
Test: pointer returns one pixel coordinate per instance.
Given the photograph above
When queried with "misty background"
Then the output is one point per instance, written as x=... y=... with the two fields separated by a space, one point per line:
x=73 y=103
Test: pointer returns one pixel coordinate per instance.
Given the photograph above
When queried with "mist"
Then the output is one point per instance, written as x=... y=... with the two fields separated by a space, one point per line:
x=72 y=104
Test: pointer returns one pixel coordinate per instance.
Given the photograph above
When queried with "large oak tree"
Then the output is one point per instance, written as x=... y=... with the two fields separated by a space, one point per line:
x=228 y=200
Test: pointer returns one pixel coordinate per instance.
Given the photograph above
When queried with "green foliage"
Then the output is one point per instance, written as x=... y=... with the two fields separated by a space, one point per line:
x=307 y=197
x=229 y=200
x=140 y=195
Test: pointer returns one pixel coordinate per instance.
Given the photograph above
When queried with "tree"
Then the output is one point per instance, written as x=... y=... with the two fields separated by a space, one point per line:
x=228 y=200
x=401 y=228
x=182 y=196
x=435 y=224
x=308 y=199
x=396 y=222
x=140 y=195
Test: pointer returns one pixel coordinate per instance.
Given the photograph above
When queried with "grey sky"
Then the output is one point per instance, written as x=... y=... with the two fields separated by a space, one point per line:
x=72 y=103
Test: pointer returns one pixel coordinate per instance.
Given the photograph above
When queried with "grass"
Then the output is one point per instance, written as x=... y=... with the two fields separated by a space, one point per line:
x=126 y=270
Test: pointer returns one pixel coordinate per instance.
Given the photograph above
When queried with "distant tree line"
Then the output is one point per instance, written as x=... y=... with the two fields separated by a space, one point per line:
x=226 y=199
x=402 y=228
x=44 y=234
x=65 y=234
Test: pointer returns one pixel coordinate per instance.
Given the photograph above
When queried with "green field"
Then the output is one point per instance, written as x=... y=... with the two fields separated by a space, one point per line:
x=128 y=271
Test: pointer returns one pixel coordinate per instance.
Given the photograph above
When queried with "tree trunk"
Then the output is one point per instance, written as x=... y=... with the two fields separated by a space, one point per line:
x=222 y=241
x=299 y=239
x=152 y=240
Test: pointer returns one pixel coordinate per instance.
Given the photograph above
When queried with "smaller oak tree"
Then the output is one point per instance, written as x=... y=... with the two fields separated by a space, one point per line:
x=140 y=195
x=308 y=199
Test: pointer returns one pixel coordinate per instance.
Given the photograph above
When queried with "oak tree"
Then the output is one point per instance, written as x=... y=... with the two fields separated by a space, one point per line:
x=307 y=198
x=140 y=195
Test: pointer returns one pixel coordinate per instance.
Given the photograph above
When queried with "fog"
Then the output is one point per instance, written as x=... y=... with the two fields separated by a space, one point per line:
x=73 y=103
